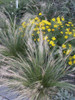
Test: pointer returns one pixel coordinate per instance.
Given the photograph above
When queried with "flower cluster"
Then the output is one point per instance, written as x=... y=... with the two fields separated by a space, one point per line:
x=71 y=60
x=67 y=48
x=55 y=32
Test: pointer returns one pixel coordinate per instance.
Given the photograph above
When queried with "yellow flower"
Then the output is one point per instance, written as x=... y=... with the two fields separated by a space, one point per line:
x=67 y=29
x=53 y=38
x=41 y=24
x=70 y=33
x=74 y=62
x=40 y=14
x=33 y=21
x=64 y=51
x=36 y=18
x=68 y=51
x=34 y=39
x=47 y=26
x=21 y=30
x=55 y=26
x=53 y=29
x=72 y=25
x=43 y=28
x=23 y=24
x=74 y=35
x=38 y=39
x=67 y=25
x=46 y=22
x=36 y=24
x=70 y=45
x=62 y=26
x=38 y=32
x=46 y=37
x=61 y=32
x=53 y=19
x=49 y=30
x=70 y=22
x=70 y=62
x=51 y=42
x=35 y=29
x=48 y=40
x=65 y=36
x=66 y=32
x=49 y=23
x=62 y=18
x=60 y=23
x=64 y=46
x=58 y=19
x=32 y=34
x=73 y=56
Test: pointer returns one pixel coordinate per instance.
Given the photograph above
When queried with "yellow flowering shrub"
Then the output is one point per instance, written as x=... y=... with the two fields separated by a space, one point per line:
x=55 y=32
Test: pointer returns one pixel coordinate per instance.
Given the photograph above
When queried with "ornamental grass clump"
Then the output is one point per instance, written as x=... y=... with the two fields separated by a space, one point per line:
x=11 y=42
x=39 y=76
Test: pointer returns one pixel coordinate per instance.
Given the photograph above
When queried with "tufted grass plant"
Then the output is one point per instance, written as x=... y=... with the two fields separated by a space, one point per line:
x=39 y=76
x=11 y=40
